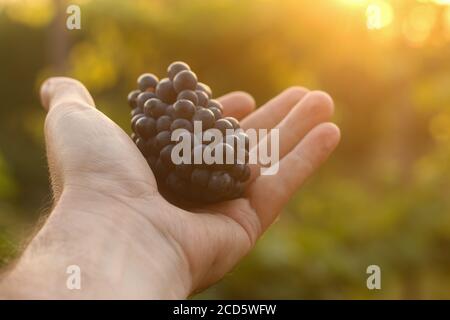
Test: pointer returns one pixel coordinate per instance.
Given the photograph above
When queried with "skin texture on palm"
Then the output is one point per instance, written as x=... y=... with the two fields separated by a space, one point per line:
x=132 y=243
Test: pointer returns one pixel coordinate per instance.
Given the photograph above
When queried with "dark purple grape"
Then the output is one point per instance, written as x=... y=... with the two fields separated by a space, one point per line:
x=225 y=154
x=140 y=143
x=170 y=111
x=145 y=127
x=223 y=125
x=151 y=160
x=176 y=184
x=165 y=91
x=151 y=147
x=237 y=190
x=166 y=155
x=200 y=177
x=163 y=139
x=206 y=117
x=233 y=121
x=163 y=123
x=196 y=192
x=237 y=170
x=161 y=170
x=155 y=108
x=181 y=124
x=217 y=113
x=143 y=97
x=147 y=82
x=184 y=170
x=212 y=103
x=132 y=96
x=134 y=120
x=205 y=88
x=246 y=174
x=176 y=67
x=136 y=111
x=188 y=95
x=184 y=109
x=220 y=182
x=185 y=80
x=202 y=98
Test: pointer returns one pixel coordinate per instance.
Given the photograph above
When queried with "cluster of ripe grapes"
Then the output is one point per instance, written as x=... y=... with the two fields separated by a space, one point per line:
x=159 y=107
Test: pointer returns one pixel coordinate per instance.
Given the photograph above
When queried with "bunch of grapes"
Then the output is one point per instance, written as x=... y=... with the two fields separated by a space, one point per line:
x=159 y=107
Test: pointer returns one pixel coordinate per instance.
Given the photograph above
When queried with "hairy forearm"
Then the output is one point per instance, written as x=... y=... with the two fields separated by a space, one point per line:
x=125 y=258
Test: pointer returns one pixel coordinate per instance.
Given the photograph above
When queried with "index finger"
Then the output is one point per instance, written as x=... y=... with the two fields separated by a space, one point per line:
x=237 y=104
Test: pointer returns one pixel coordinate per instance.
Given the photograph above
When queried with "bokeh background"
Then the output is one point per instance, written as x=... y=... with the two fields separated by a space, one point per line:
x=384 y=196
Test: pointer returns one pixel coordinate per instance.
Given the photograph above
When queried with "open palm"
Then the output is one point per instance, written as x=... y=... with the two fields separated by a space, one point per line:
x=88 y=152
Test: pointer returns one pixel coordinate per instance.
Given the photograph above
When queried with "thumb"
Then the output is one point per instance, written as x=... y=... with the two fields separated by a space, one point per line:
x=60 y=96
x=60 y=90
x=85 y=149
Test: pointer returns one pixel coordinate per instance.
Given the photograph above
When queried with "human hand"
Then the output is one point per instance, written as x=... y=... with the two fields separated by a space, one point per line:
x=109 y=218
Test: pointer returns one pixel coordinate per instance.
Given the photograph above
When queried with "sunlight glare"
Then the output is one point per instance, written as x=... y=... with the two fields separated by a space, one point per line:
x=419 y=24
x=379 y=14
x=354 y=2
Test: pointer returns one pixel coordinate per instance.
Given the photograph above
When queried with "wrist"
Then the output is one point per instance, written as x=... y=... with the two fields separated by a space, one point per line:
x=120 y=252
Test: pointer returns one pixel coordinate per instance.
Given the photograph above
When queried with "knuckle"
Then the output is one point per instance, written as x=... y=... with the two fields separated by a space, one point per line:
x=250 y=222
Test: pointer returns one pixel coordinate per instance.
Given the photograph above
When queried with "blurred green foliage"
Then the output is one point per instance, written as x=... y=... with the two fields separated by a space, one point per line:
x=383 y=198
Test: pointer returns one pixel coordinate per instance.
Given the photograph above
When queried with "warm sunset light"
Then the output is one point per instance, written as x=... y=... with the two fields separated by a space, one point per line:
x=446 y=22
x=354 y=2
x=444 y=2
x=418 y=25
x=379 y=14
x=89 y=188
x=418 y=22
